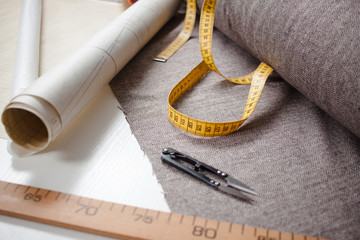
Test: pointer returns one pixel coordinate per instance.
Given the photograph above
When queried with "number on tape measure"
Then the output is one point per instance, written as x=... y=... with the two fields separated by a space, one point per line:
x=184 y=35
x=213 y=129
x=257 y=80
x=205 y=38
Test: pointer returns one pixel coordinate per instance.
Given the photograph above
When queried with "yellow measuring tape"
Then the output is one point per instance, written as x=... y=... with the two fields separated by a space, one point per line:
x=184 y=34
x=257 y=79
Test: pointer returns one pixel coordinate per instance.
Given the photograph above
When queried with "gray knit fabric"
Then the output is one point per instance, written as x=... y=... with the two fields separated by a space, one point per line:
x=313 y=45
x=304 y=164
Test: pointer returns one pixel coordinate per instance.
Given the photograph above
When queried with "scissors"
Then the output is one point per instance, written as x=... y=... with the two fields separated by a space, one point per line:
x=233 y=186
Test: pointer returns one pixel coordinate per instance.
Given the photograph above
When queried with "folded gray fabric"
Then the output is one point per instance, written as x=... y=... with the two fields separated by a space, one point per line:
x=313 y=45
x=303 y=163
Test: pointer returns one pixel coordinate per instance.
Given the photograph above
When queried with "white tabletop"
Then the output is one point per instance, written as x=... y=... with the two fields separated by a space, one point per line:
x=96 y=156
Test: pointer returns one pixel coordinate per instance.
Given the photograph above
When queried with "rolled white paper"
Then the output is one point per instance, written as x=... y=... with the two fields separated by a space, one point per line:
x=36 y=116
x=27 y=56
x=28 y=46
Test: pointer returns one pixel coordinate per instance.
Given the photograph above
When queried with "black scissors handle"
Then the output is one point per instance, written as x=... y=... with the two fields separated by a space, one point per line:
x=197 y=164
x=232 y=186
x=170 y=155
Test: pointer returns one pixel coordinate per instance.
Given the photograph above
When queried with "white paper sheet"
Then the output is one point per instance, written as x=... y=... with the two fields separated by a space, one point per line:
x=35 y=117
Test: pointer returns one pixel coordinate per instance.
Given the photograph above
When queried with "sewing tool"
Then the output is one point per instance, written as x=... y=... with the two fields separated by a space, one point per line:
x=233 y=186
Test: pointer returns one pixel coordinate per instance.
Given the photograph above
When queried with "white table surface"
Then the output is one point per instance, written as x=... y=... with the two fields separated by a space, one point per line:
x=96 y=156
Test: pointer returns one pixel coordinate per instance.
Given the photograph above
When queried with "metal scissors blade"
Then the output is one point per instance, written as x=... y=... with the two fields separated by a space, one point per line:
x=234 y=186
x=239 y=185
x=234 y=192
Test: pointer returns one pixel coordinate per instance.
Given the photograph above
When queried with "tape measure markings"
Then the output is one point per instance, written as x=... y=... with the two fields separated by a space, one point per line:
x=256 y=88
x=206 y=30
x=256 y=78
x=184 y=35
x=213 y=129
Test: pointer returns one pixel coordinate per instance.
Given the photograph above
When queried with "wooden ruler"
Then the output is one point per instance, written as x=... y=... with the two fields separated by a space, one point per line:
x=122 y=221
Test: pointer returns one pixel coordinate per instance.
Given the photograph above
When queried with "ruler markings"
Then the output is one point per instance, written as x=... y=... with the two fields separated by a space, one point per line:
x=78 y=200
x=135 y=209
x=27 y=189
x=91 y=215
x=6 y=185
x=72 y=213
x=181 y=219
x=169 y=218
x=111 y=206
x=16 y=188
x=123 y=208
x=47 y=193
x=194 y=219
x=57 y=196
x=37 y=191
x=230 y=227
x=218 y=225
x=64 y=196
x=101 y=203
x=157 y=215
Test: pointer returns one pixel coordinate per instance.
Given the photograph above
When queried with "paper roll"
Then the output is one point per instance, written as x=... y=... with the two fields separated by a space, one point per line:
x=28 y=46
x=27 y=57
x=36 y=116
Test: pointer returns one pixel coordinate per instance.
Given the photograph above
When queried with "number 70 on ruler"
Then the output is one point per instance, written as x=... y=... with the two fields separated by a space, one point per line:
x=122 y=221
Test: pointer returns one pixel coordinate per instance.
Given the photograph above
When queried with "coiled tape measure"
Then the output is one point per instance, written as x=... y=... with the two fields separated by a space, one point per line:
x=257 y=78
x=128 y=222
